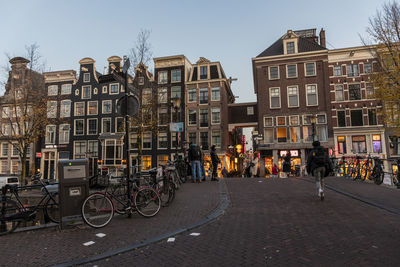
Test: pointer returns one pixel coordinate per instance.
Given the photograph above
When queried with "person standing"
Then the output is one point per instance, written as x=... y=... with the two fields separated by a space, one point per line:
x=254 y=167
x=275 y=171
x=319 y=165
x=287 y=165
x=215 y=161
x=194 y=158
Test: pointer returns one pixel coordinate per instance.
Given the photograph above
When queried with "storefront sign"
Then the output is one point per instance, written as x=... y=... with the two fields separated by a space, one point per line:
x=38 y=154
x=293 y=153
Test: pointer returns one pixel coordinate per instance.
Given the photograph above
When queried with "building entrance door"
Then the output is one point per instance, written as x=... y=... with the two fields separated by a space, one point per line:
x=49 y=165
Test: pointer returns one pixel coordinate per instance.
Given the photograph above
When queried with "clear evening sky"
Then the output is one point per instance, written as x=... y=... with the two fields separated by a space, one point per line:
x=231 y=32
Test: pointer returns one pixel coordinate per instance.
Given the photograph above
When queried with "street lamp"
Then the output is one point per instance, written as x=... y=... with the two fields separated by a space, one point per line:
x=176 y=104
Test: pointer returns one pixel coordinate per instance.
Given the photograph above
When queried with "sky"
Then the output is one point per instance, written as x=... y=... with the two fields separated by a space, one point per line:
x=229 y=31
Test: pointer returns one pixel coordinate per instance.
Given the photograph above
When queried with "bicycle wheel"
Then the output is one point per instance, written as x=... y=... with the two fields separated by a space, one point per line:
x=167 y=193
x=97 y=210
x=377 y=176
x=147 y=202
x=6 y=225
x=52 y=209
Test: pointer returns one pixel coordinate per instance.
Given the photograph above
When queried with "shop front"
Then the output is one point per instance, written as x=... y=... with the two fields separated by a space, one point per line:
x=295 y=158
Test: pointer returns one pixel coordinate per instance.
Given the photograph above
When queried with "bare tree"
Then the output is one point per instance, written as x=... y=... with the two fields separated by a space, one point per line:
x=141 y=51
x=384 y=31
x=24 y=107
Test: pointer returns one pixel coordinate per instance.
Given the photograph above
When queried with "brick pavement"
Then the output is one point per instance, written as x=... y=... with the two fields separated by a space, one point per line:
x=275 y=222
x=50 y=246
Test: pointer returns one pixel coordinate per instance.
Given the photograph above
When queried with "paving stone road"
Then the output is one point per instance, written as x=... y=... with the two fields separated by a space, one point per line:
x=268 y=222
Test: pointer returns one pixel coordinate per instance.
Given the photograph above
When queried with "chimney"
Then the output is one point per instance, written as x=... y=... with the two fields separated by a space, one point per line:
x=322 y=39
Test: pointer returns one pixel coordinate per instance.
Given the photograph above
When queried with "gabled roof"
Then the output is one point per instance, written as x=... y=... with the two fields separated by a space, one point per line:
x=304 y=45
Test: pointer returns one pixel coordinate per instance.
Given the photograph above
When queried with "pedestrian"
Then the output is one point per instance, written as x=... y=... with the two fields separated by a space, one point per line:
x=319 y=165
x=215 y=161
x=254 y=167
x=287 y=164
x=203 y=171
x=275 y=171
x=224 y=172
x=194 y=158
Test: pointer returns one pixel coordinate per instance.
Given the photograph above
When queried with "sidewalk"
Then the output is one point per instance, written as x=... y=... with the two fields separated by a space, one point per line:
x=51 y=246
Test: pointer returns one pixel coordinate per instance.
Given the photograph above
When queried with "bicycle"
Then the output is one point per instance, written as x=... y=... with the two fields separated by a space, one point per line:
x=13 y=212
x=367 y=168
x=163 y=185
x=98 y=208
x=396 y=174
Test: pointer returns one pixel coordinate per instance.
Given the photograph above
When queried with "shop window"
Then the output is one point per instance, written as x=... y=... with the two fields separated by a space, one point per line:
x=146 y=161
x=376 y=143
x=281 y=133
x=359 y=144
x=341 y=140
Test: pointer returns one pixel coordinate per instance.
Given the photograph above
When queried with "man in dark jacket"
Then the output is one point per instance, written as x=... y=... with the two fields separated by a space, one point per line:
x=215 y=161
x=194 y=158
x=319 y=165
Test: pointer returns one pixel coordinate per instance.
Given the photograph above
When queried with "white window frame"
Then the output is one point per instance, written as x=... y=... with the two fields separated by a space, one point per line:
x=212 y=117
x=102 y=106
x=87 y=126
x=151 y=141
x=265 y=136
x=162 y=91
x=294 y=116
x=62 y=137
x=3 y=150
x=316 y=92
x=195 y=91
x=277 y=121
x=159 y=115
x=83 y=125
x=74 y=150
x=111 y=86
x=305 y=116
x=305 y=69
x=75 y=105
x=269 y=73
x=287 y=71
x=270 y=98
x=250 y=111
x=86 y=77
x=336 y=98
x=340 y=68
x=172 y=75
x=162 y=81
x=294 y=47
x=204 y=89
x=90 y=92
x=65 y=108
x=52 y=90
x=189 y=122
x=104 y=89
x=368 y=63
x=324 y=119
x=66 y=89
x=102 y=124
x=50 y=113
x=272 y=120
x=116 y=124
x=162 y=134
x=297 y=94
x=14 y=149
x=51 y=139
x=207 y=69
x=97 y=108
x=212 y=93
x=176 y=93
x=220 y=138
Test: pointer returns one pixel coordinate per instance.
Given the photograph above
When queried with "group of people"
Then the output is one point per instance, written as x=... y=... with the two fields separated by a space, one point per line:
x=196 y=160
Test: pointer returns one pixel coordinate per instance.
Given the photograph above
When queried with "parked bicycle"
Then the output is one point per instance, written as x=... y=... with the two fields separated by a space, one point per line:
x=98 y=208
x=13 y=212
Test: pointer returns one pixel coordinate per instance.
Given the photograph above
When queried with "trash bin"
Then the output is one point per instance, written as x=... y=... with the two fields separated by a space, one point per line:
x=73 y=176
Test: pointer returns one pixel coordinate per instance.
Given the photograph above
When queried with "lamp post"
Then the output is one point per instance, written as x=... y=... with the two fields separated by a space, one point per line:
x=176 y=104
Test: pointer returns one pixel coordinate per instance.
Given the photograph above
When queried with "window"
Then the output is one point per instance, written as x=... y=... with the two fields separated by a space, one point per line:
x=193 y=138
x=79 y=109
x=14 y=166
x=50 y=134
x=114 y=88
x=275 y=97
x=86 y=77
x=369 y=91
x=281 y=121
x=307 y=133
x=176 y=76
x=216 y=138
x=204 y=140
x=372 y=117
x=367 y=68
x=64 y=134
x=119 y=125
x=162 y=95
x=203 y=72
x=356 y=117
x=273 y=73
x=337 y=70
x=104 y=90
x=65 y=108
x=269 y=136
x=341 y=117
x=52 y=90
x=203 y=95
x=354 y=92
x=79 y=127
x=107 y=106
x=291 y=71
x=66 y=89
x=215 y=115
x=294 y=120
x=215 y=94
x=162 y=160
x=6 y=128
x=322 y=132
x=250 y=111
x=192 y=117
x=268 y=121
x=93 y=148
x=112 y=152
x=359 y=145
x=15 y=152
x=4 y=149
x=295 y=134
x=162 y=77
x=146 y=161
x=376 y=143
x=92 y=108
x=162 y=140
x=192 y=95
x=312 y=96
x=203 y=117
x=339 y=94
x=146 y=141
x=4 y=166
x=293 y=95
x=106 y=125
x=290 y=48
x=51 y=109
x=176 y=92
x=146 y=96
x=79 y=149
x=173 y=139
x=341 y=140
x=310 y=69
x=86 y=92
x=162 y=116
x=6 y=112
x=281 y=134
x=92 y=126
x=141 y=80
x=133 y=141
x=352 y=70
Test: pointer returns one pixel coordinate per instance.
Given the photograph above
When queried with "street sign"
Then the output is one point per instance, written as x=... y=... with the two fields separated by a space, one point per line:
x=121 y=80
x=133 y=105
x=176 y=127
x=38 y=154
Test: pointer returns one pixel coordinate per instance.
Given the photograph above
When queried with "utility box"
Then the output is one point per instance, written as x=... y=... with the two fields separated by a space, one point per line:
x=73 y=176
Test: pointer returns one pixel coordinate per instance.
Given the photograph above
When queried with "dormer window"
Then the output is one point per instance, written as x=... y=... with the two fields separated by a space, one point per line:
x=86 y=77
x=290 y=47
x=203 y=72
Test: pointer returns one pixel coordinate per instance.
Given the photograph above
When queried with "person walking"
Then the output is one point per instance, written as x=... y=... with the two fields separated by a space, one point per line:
x=319 y=165
x=287 y=165
x=194 y=158
x=215 y=161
